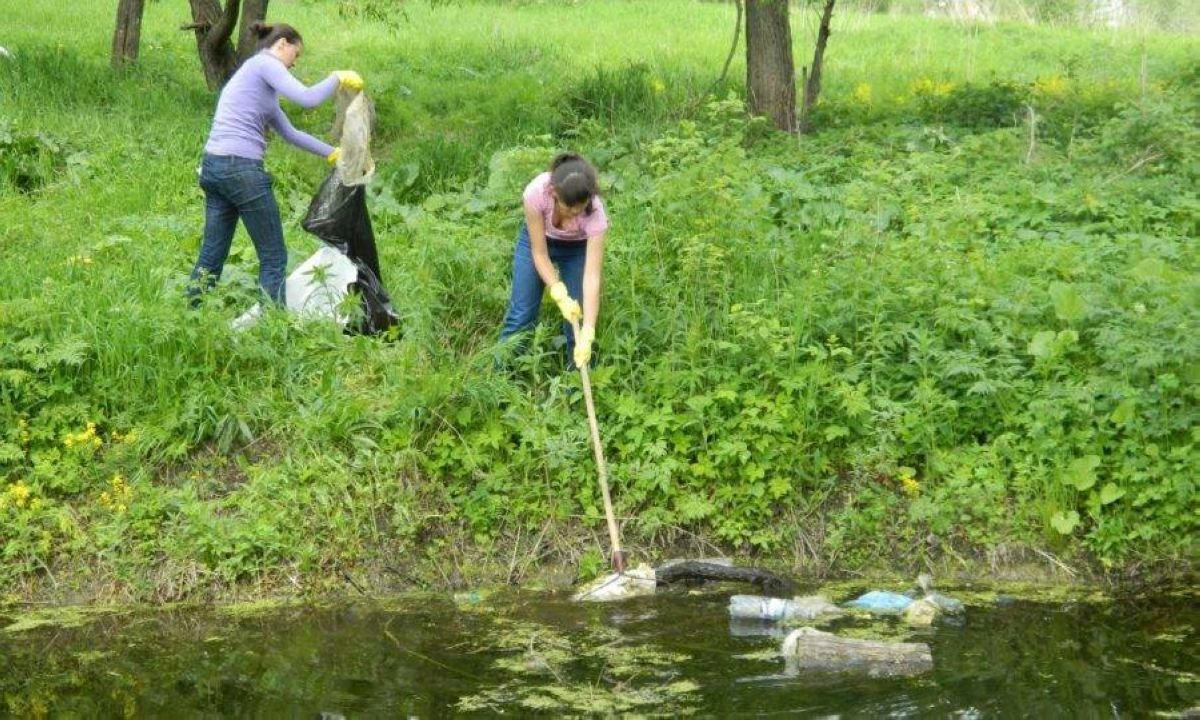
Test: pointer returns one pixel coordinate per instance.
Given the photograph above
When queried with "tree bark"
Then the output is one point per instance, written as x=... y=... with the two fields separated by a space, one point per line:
x=770 y=71
x=812 y=81
x=214 y=28
x=810 y=650
x=252 y=11
x=127 y=35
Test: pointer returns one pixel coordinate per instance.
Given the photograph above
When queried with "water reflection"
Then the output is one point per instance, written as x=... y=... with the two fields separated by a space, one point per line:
x=518 y=653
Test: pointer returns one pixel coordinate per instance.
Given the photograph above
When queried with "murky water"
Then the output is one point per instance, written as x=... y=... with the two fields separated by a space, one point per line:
x=524 y=654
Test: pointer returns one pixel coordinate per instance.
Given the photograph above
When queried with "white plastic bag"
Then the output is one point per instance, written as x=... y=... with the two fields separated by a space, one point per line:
x=619 y=586
x=315 y=290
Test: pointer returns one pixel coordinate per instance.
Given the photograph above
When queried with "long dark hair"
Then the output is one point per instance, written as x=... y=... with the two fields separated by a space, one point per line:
x=268 y=34
x=574 y=179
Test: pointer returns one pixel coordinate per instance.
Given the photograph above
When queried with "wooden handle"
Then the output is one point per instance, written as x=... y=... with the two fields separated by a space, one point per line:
x=614 y=538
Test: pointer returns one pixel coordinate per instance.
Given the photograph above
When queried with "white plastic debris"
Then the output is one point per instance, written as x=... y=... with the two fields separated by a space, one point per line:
x=315 y=290
x=619 y=586
x=754 y=607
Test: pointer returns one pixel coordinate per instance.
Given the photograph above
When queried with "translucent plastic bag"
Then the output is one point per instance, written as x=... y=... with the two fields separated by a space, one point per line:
x=352 y=128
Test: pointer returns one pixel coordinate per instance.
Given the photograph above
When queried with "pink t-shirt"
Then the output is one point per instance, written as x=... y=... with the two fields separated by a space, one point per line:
x=538 y=198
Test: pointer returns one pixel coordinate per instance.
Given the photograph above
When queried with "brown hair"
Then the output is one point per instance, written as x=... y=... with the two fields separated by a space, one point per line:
x=575 y=180
x=268 y=34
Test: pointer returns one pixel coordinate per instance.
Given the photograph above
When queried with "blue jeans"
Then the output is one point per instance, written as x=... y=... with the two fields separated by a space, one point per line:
x=236 y=187
x=527 y=286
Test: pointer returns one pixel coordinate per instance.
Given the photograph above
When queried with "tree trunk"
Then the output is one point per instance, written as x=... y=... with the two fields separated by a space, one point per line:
x=127 y=35
x=812 y=81
x=810 y=650
x=770 y=72
x=214 y=28
x=252 y=11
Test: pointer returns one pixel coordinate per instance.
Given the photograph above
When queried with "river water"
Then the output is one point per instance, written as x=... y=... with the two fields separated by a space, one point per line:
x=1016 y=653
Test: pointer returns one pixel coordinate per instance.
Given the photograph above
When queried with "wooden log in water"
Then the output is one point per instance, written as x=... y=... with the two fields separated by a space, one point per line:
x=810 y=650
x=702 y=570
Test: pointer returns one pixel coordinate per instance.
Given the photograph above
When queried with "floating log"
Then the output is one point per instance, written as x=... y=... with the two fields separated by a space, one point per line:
x=810 y=650
x=702 y=570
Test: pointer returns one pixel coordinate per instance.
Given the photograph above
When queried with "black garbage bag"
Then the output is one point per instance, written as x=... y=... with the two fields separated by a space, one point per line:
x=338 y=216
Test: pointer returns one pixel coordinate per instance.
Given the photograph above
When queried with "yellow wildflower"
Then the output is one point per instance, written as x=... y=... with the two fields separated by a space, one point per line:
x=927 y=86
x=908 y=481
x=87 y=437
x=18 y=493
x=862 y=93
x=118 y=496
x=1053 y=86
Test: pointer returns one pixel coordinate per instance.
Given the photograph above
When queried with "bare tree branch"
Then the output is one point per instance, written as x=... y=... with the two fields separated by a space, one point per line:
x=737 y=33
x=812 y=81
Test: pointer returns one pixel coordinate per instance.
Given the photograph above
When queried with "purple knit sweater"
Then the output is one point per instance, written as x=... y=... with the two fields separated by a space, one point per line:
x=249 y=104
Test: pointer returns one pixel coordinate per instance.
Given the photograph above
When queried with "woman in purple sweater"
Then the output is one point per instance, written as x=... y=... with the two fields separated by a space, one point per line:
x=235 y=183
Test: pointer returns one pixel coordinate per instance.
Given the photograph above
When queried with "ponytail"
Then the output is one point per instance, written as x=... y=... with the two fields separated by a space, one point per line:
x=268 y=35
x=575 y=180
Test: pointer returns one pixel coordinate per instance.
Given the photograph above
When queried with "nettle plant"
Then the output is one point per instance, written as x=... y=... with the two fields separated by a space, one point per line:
x=30 y=160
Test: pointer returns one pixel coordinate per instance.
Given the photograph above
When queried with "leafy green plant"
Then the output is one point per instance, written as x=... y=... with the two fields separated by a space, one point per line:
x=28 y=160
x=959 y=318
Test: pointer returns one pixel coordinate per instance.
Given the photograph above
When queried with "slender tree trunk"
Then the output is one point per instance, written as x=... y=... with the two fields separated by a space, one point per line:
x=127 y=35
x=770 y=72
x=812 y=81
x=252 y=11
x=214 y=26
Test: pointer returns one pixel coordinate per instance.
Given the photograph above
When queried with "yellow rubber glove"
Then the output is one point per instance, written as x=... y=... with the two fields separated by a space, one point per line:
x=349 y=79
x=583 y=346
x=333 y=156
x=570 y=309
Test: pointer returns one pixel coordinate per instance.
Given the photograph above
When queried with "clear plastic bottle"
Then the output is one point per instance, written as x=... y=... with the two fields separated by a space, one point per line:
x=755 y=607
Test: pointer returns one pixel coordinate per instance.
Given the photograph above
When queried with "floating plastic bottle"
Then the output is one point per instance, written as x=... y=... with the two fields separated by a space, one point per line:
x=947 y=604
x=762 y=608
x=755 y=607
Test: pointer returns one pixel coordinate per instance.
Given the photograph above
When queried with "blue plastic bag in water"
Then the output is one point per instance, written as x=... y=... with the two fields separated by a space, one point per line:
x=881 y=601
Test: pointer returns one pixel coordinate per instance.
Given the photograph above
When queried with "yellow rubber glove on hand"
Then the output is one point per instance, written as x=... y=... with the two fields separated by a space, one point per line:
x=570 y=309
x=333 y=156
x=583 y=346
x=349 y=79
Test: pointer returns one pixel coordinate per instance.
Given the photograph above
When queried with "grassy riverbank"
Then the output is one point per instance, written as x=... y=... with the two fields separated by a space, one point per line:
x=957 y=326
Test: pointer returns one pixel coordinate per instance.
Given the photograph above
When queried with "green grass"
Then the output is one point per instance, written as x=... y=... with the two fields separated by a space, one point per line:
x=902 y=340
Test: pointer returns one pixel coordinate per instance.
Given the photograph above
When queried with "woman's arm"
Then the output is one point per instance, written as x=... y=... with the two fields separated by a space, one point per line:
x=538 y=247
x=284 y=83
x=592 y=267
x=304 y=141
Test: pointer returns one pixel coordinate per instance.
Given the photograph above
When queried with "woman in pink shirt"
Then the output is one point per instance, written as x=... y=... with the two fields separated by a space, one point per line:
x=561 y=246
